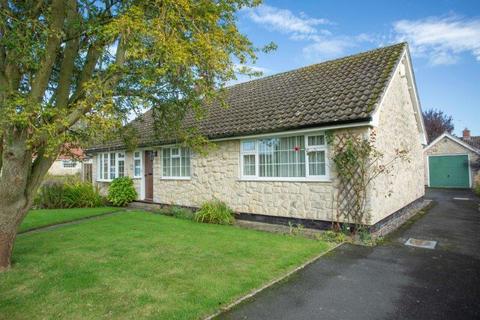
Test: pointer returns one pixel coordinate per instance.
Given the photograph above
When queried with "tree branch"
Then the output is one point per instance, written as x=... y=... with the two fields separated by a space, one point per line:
x=39 y=168
x=68 y=62
x=42 y=76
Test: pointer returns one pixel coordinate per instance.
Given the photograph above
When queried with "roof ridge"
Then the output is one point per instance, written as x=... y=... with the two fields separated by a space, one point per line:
x=359 y=54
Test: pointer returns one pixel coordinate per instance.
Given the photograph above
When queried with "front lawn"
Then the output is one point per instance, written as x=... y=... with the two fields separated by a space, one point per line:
x=46 y=217
x=138 y=265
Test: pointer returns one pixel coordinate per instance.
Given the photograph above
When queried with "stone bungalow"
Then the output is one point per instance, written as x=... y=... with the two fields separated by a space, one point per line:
x=272 y=161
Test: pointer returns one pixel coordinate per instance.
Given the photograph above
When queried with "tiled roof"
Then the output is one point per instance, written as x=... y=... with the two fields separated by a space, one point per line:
x=474 y=141
x=344 y=90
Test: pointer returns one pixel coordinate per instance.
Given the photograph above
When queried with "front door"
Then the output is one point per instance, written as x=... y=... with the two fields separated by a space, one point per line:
x=148 y=175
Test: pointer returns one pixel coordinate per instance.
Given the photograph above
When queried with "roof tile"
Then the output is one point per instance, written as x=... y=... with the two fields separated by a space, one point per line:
x=336 y=91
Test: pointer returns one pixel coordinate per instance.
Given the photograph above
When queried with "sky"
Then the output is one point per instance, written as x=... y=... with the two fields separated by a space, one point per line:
x=443 y=37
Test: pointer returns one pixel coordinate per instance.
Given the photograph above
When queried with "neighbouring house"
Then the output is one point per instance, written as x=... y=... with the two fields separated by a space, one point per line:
x=69 y=162
x=272 y=161
x=450 y=161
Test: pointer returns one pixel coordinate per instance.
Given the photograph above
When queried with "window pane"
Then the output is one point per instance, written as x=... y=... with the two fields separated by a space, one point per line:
x=121 y=168
x=137 y=168
x=185 y=162
x=136 y=154
x=69 y=164
x=175 y=167
x=316 y=163
x=248 y=145
x=112 y=166
x=282 y=157
x=166 y=162
x=105 y=166
x=249 y=165
x=316 y=140
x=99 y=166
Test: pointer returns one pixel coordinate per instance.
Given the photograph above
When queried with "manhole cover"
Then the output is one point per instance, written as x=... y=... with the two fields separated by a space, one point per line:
x=427 y=244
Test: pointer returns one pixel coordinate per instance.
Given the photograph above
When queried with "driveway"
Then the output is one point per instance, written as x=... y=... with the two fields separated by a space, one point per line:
x=391 y=281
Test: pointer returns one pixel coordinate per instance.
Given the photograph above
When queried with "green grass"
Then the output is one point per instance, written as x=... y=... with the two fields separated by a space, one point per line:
x=47 y=217
x=138 y=265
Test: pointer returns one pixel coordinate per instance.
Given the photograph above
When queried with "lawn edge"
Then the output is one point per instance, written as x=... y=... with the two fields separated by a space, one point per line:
x=269 y=284
x=67 y=222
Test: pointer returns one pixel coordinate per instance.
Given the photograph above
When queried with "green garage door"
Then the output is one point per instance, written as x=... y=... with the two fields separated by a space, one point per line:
x=449 y=171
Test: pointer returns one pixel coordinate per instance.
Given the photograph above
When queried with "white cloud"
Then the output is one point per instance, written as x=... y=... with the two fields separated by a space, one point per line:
x=284 y=20
x=238 y=67
x=327 y=48
x=321 y=42
x=441 y=40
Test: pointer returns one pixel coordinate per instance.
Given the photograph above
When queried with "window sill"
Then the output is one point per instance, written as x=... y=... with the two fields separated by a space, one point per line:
x=175 y=178
x=103 y=180
x=253 y=179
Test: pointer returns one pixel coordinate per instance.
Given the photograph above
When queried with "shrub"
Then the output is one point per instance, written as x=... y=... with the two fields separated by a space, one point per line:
x=82 y=195
x=477 y=189
x=182 y=213
x=59 y=195
x=121 y=192
x=216 y=212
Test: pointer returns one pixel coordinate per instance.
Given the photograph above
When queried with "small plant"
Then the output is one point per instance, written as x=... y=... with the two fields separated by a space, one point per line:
x=121 y=192
x=295 y=229
x=216 y=212
x=364 y=235
x=332 y=236
x=477 y=189
x=182 y=213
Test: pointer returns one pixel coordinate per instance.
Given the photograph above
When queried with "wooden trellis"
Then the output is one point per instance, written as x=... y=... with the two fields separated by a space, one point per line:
x=350 y=182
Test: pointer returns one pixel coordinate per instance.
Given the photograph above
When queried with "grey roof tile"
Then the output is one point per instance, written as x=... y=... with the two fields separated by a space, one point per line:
x=337 y=91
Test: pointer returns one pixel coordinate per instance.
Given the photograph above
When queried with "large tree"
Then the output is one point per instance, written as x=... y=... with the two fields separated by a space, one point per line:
x=436 y=123
x=72 y=70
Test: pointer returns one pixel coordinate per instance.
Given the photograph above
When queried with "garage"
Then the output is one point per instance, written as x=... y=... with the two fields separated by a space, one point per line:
x=449 y=171
x=451 y=162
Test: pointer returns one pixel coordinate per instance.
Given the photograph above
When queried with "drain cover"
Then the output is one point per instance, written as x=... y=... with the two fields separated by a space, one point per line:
x=426 y=244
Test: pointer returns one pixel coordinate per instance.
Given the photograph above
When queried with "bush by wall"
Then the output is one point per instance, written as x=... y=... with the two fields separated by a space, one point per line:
x=121 y=192
x=216 y=212
x=182 y=213
x=59 y=195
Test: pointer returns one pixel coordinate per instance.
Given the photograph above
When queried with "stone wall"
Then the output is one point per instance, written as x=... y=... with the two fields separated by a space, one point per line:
x=447 y=146
x=397 y=129
x=217 y=176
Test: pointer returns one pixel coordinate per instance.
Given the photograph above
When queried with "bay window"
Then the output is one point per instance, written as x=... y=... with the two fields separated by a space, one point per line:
x=110 y=165
x=299 y=157
x=176 y=162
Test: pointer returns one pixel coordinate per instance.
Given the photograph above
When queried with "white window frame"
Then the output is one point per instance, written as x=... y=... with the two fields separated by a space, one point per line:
x=164 y=177
x=69 y=164
x=139 y=157
x=308 y=177
x=100 y=163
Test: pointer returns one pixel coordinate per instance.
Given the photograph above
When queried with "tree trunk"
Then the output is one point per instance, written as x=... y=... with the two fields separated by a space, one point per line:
x=11 y=215
x=20 y=177
x=6 y=248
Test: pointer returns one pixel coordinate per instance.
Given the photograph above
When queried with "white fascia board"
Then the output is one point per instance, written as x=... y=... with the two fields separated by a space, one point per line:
x=454 y=139
x=413 y=92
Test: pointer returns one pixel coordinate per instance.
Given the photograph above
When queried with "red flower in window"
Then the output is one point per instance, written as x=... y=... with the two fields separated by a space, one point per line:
x=296 y=148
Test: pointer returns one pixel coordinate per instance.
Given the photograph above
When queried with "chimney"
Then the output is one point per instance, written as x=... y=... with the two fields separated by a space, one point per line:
x=466 y=133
